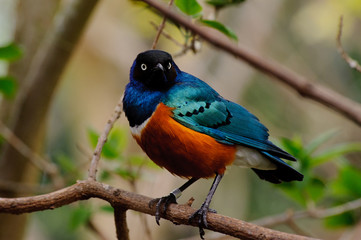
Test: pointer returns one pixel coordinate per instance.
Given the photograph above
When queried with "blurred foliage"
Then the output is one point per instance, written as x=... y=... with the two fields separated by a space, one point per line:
x=330 y=179
x=223 y=3
x=322 y=28
x=313 y=190
x=114 y=164
x=194 y=9
x=9 y=53
x=126 y=167
x=8 y=86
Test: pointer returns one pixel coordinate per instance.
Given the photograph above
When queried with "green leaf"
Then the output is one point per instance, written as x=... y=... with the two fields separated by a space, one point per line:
x=220 y=27
x=80 y=216
x=316 y=189
x=318 y=141
x=349 y=181
x=10 y=52
x=8 y=86
x=189 y=7
x=107 y=208
x=294 y=146
x=335 y=152
x=342 y=220
x=223 y=3
x=115 y=144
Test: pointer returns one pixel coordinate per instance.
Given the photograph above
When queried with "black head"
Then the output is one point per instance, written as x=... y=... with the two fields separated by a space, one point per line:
x=155 y=69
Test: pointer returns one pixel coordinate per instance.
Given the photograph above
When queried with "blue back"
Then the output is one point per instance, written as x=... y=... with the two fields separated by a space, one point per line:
x=201 y=108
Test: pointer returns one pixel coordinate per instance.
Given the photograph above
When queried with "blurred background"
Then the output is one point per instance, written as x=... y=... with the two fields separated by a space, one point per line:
x=300 y=35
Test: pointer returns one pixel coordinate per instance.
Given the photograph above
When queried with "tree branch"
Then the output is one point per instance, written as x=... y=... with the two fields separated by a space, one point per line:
x=42 y=164
x=351 y=62
x=161 y=27
x=178 y=214
x=308 y=89
x=271 y=221
x=120 y=219
x=40 y=83
x=103 y=138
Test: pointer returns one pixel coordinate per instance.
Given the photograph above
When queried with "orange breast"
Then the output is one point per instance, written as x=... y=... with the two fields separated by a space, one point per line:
x=183 y=151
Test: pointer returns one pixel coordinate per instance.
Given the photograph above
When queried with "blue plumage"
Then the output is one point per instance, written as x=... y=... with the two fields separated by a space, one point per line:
x=199 y=107
x=222 y=132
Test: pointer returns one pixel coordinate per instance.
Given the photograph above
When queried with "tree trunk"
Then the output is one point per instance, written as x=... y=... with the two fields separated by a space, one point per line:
x=38 y=74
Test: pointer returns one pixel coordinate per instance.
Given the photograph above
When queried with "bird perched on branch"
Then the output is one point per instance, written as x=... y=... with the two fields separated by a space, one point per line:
x=186 y=127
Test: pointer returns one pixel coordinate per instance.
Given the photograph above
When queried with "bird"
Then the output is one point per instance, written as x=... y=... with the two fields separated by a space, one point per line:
x=186 y=127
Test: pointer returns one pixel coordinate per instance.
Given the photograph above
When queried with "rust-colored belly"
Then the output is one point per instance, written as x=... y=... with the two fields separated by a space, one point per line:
x=183 y=151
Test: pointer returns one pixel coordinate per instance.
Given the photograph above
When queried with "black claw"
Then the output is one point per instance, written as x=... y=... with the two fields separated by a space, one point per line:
x=163 y=201
x=201 y=233
x=201 y=216
x=212 y=210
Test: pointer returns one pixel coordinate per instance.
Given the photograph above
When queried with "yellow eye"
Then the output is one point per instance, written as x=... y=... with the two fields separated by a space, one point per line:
x=169 y=65
x=143 y=67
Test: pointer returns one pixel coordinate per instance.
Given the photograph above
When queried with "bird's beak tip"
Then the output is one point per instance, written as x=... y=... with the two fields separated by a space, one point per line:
x=160 y=66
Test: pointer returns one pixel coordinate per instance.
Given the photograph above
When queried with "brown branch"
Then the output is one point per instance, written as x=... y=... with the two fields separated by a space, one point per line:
x=34 y=98
x=120 y=219
x=285 y=217
x=28 y=117
x=351 y=62
x=305 y=88
x=161 y=27
x=42 y=164
x=178 y=214
x=103 y=138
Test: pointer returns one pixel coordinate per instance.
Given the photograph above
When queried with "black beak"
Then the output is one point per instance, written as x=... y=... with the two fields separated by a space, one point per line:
x=159 y=67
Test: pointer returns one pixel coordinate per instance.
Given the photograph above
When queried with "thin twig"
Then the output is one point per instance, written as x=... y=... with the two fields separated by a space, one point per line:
x=161 y=27
x=282 y=218
x=42 y=164
x=103 y=138
x=351 y=62
x=166 y=35
x=179 y=214
x=306 y=88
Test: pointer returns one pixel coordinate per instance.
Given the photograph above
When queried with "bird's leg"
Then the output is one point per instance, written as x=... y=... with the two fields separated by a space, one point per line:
x=171 y=198
x=201 y=213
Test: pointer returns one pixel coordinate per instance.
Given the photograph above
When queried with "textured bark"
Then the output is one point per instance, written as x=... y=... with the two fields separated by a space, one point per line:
x=123 y=200
x=39 y=72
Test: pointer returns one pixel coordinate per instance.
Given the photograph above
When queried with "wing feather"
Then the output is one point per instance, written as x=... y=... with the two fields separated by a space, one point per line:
x=199 y=107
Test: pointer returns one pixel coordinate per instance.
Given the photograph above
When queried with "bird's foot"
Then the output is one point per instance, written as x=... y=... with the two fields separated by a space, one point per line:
x=162 y=205
x=201 y=217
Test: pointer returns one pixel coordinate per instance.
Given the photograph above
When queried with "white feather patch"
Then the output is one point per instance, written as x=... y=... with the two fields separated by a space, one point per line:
x=251 y=158
x=137 y=129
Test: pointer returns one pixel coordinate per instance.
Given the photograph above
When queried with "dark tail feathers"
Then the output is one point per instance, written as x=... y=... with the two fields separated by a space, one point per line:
x=283 y=173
